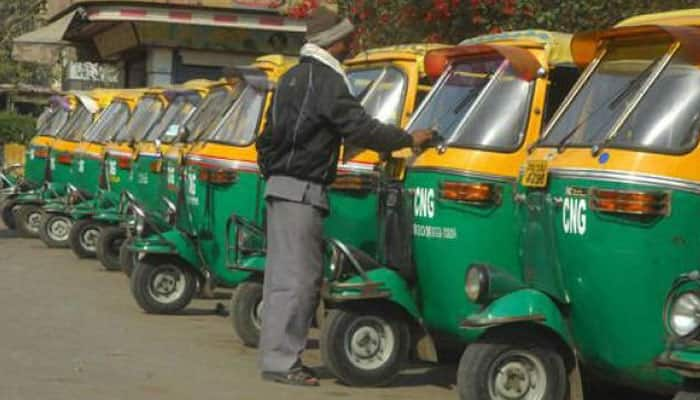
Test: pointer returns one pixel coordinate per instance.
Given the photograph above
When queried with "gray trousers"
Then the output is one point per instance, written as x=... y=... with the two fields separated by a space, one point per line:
x=293 y=275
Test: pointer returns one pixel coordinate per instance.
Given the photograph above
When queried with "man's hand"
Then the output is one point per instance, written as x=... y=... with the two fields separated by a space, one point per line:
x=422 y=137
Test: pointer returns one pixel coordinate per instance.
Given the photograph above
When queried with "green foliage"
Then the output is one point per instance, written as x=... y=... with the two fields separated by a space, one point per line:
x=15 y=128
x=16 y=18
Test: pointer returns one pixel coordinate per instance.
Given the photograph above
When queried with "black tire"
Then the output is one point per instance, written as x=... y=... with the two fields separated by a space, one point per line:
x=55 y=230
x=161 y=286
x=341 y=336
x=246 y=312
x=109 y=247
x=127 y=259
x=84 y=235
x=8 y=214
x=521 y=358
x=28 y=220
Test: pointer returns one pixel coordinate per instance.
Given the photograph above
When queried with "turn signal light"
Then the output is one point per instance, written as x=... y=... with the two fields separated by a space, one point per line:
x=41 y=153
x=476 y=192
x=217 y=176
x=124 y=162
x=156 y=166
x=627 y=202
x=65 y=159
x=353 y=183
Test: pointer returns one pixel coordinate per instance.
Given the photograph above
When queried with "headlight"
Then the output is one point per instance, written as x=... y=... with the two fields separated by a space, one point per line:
x=684 y=315
x=476 y=283
x=139 y=225
x=171 y=211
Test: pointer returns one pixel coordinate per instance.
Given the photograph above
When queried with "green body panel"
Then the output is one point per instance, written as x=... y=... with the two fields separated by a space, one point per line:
x=86 y=173
x=612 y=270
x=173 y=178
x=526 y=305
x=61 y=174
x=254 y=263
x=149 y=186
x=391 y=286
x=84 y=209
x=209 y=207
x=110 y=215
x=34 y=167
x=353 y=219
x=448 y=237
x=170 y=242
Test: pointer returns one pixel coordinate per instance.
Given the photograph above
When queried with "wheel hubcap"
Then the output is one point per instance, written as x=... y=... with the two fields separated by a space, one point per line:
x=517 y=375
x=34 y=221
x=59 y=229
x=256 y=315
x=370 y=342
x=167 y=284
x=88 y=239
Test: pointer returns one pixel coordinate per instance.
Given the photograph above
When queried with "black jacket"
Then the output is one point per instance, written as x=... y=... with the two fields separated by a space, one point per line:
x=312 y=111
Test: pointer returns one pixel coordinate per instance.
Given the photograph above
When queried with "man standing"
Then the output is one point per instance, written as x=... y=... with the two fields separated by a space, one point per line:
x=312 y=112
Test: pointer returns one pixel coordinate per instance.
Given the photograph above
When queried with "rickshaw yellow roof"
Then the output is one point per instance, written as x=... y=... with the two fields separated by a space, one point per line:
x=689 y=17
x=409 y=52
x=556 y=44
x=275 y=64
x=203 y=85
x=105 y=96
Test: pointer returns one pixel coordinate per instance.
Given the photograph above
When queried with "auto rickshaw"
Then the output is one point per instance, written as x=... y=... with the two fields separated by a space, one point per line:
x=450 y=206
x=146 y=176
x=391 y=82
x=220 y=176
x=50 y=124
x=25 y=206
x=115 y=172
x=604 y=213
x=80 y=164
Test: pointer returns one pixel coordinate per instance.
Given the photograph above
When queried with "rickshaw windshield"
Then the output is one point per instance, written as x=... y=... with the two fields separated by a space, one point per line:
x=54 y=121
x=211 y=110
x=239 y=125
x=175 y=115
x=147 y=112
x=382 y=92
x=77 y=124
x=618 y=77
x=112 y=119
x=481 y=103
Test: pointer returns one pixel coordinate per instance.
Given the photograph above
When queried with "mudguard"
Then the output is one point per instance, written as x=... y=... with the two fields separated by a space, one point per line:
x=172 y=242
x=108 y=215
x=685 y=361
x=525 y=305
x=83 y=210
x=381 y=283
x=252 y=264
x=56 y=206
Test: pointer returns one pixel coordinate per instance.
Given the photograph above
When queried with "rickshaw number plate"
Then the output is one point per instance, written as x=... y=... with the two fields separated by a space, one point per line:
x=535 y=174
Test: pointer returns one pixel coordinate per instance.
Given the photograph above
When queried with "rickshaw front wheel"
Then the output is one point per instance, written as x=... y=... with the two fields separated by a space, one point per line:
x=84 y=236
x=109 y=247
x=246 y=312
x=161 y=285
x=505 y=367
x=127 y=258
x=9 y=211
x=364 y=348
x=28 y=220
x=55 y=230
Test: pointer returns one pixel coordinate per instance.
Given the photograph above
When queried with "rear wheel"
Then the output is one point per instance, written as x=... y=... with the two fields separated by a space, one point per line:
x=246 y=312
x=83 y=237
x=127 y=258
x=512 y=366
x=364 y=349
x=9 y=211
x=109 y=246
x=55 y=230
x=161 y=286
x=28 y=220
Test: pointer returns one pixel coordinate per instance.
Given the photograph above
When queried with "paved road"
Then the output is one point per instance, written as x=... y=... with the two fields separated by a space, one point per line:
x=70 y=330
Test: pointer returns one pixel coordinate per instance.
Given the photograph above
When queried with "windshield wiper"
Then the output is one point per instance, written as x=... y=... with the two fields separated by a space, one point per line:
x=611 y=103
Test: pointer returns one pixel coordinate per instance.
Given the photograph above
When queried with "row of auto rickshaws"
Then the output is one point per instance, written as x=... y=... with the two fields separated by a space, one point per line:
x=549 y=235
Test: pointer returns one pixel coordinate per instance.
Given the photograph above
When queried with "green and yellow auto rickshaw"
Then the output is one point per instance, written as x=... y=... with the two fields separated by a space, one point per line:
x=451 y=206
x=50 y=125
x=26 y=205
x=391 y=82
x=143 y=170
x=80 y=166
x=604 y=214
x=220 y=176
x=114 y=170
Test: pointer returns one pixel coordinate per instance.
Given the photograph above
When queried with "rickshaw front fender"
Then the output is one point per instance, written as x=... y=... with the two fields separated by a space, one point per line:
x=57 y=206
x=254 y=264
x=521 y=306
x=173 y=243
x=379 y=284
x=108 y=215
